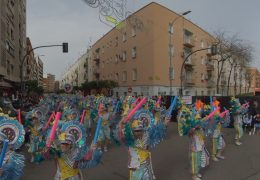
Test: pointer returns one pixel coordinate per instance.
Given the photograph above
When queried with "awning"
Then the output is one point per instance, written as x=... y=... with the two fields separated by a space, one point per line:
x=5 y=84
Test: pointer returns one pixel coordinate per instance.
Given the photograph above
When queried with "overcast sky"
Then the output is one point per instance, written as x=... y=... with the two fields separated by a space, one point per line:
x=73 y=21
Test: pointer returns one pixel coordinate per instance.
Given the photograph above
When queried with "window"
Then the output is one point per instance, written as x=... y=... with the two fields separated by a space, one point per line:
x=133 y=31
x=202 y=93
x=187 y=51
x=116 y=59
x=134 y=52
x=124 y=56
x=187 y=36
x=171 y=50
x=202 y=61
x=134 y=74
x=124 y=77
x=202 y=44
x=124 y=37
x=117 y=76
x=170 y=28
x=202 y=77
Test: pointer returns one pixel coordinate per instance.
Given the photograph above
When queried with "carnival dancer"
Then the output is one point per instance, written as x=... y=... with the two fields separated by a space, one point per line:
x=71 y=152
x=37 y=143
x=104 y=133
x=218 y=143
x=237 y=111
x=190 y=123
x=11 y=138
x=140 y=133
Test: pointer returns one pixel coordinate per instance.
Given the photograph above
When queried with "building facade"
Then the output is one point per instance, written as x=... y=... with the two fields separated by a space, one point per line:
x=39 y=71
x=12 y=41
x=49 y=83
x=146 y=54
x=30 y=66
x=76 y=74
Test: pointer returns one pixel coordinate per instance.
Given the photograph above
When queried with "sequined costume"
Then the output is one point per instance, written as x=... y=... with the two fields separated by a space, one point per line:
x=13 y=163
x=140 y=164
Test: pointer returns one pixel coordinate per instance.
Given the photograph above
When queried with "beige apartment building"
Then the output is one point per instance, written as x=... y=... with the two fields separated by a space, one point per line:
x=253 y=79
x=12 y=41
x=138 y=55
x=49 y=83
x=77 y=73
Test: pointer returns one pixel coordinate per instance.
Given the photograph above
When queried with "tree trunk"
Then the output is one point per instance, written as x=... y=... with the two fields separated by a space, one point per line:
x=229 y=77
x=235 y=81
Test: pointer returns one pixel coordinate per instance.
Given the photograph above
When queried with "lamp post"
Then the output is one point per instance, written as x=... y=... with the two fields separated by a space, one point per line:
x=213 y=49
x=170 y=48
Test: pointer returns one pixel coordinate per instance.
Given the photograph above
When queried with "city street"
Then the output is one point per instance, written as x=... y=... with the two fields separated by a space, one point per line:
x=170 y=161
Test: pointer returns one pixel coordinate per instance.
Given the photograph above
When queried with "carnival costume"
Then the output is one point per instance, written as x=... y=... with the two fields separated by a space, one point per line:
x=34 y=121
x=139 y=134
x=237 y=110
x=77 y=156
x=13 y=164
x=218 y=142
x=190 y=123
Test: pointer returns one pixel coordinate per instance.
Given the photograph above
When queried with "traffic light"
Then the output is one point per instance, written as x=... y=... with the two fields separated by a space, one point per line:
x=65 y=48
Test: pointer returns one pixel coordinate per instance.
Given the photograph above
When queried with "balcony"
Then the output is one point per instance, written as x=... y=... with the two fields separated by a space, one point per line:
x=96 y=59
x=210 y=67
x=189 y=65
x=189 y=42
x=189 y=82
x=96 y=71
x=223 y=82
x=211 y=84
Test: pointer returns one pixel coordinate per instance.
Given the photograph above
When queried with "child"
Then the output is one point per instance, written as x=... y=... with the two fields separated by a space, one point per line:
x=37 y=144
x=139 y=155
x=218 y=144
x=198 y=154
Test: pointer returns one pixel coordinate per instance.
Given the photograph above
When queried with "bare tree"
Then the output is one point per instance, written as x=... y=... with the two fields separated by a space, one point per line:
x=248 y=80
x=237 y=53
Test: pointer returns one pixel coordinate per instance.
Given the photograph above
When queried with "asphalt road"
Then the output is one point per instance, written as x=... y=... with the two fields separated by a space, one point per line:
x=170 y=161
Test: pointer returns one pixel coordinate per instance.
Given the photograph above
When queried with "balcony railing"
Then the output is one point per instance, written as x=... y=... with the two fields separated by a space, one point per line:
x=97 y=59
x=96 y=71
x=210 y=67
x=223 y=82
x=189 y=82
x=211 y=84
x=189 y=64
x=189 y=42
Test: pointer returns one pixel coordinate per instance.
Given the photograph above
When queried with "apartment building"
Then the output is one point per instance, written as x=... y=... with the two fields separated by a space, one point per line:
x=30 y=66
x=49 y=83
x=252 y=79
x=39 y=71
x=146 y=54
x=12 y=41
x=76 y=74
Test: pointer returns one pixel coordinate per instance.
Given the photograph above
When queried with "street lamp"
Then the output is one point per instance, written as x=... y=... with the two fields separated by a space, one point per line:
x=170 y=48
